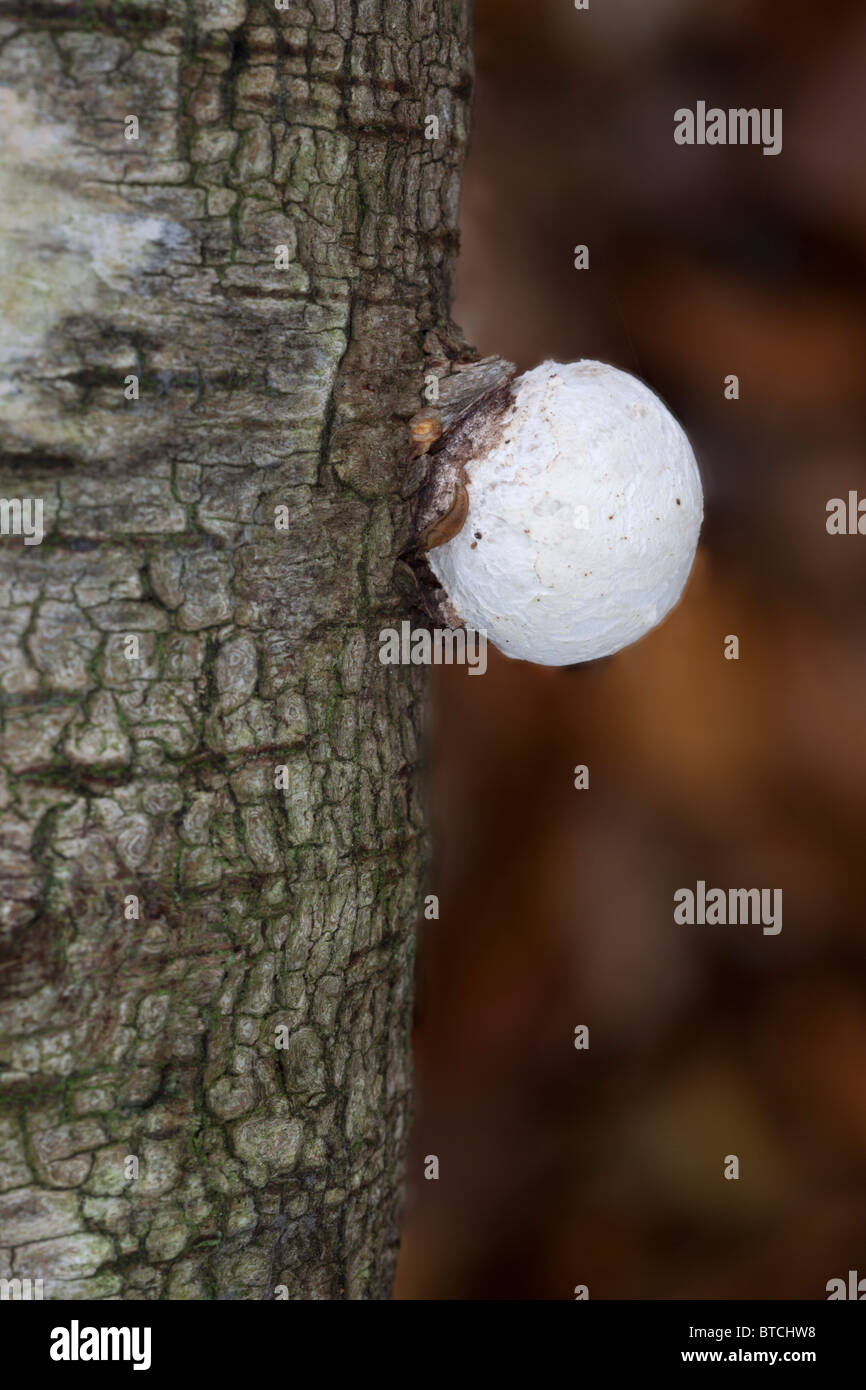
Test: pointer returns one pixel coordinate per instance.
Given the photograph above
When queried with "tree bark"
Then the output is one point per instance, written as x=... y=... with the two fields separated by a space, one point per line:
x=148 y=782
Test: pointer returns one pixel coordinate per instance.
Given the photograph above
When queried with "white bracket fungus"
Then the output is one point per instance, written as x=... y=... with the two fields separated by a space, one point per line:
x=560 y=512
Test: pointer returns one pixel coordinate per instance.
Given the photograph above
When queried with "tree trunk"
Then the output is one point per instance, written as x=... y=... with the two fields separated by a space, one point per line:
x=207 y=963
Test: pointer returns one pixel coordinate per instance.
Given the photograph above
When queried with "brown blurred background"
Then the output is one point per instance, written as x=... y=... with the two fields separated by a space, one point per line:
x=604 y=1167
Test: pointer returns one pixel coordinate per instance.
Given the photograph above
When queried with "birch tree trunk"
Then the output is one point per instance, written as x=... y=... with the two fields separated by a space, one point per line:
x=207 y=963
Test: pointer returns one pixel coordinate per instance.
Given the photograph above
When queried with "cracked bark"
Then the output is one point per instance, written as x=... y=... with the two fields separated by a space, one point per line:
x=261 y=909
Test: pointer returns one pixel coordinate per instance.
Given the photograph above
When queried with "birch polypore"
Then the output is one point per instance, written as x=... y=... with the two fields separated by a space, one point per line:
x=584 y=510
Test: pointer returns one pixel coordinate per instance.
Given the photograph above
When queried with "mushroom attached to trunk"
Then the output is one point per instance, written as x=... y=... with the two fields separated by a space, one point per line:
x=584 y=510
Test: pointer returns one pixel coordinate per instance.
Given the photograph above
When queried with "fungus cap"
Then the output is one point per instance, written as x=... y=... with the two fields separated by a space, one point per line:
x=583 y=518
